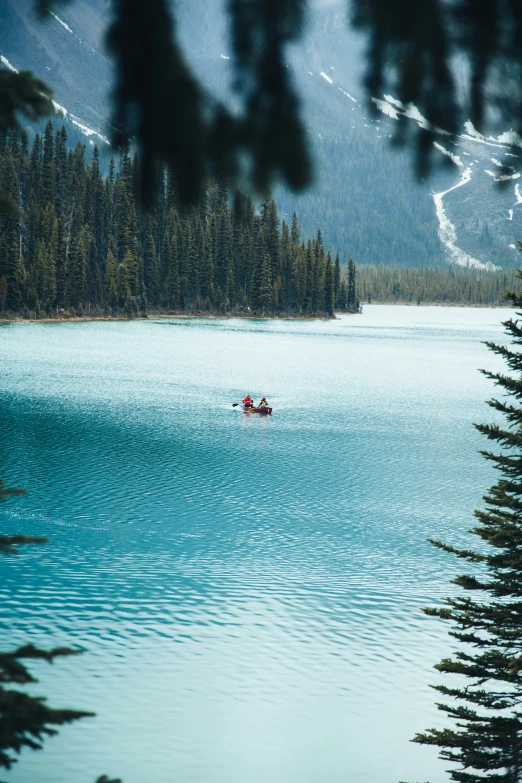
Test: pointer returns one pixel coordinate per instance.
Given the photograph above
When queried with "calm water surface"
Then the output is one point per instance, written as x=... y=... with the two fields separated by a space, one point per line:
x=248 y=589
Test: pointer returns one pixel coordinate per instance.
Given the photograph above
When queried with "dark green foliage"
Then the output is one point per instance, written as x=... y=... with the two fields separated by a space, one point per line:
x=351 y=290
x=445 y=285
x=88 y=247
x=487 y=740
x=24 y=719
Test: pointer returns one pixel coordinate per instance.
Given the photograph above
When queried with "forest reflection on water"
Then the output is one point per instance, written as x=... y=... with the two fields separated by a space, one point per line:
x=248 y=590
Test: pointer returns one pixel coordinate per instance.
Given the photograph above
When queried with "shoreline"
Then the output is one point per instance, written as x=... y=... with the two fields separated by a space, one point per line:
x=17 y=319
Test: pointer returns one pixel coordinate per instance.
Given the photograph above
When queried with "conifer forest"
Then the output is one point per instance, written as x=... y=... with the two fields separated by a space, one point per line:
x=82 y=245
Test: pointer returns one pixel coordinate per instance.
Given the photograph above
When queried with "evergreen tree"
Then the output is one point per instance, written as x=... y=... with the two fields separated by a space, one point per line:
x=79 y=260
x=111 y=281
x=487 y=740
x=337 y=278
x=329 y=289
x=151 y=275
x=48 y=166
x=309 y=277
x=87 y=242
x=173 y=286
x=295 y=231
x=261 y=293
x=351 y=293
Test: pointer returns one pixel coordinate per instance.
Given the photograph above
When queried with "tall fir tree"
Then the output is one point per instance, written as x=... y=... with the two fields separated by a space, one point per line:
x=485 y=702
x=351 y=293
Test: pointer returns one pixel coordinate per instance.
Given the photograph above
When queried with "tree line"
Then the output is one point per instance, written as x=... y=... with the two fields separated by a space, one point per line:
x=444 y=285
x=86 y=246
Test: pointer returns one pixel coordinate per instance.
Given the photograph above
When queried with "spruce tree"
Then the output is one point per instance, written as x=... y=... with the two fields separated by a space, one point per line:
x=351 y=293
x=329 y=289
x=309 y=277
x=172 y=283
x=261 y=290
x=295 y=231
x=487 y=740
x=337 y=278
x=111 y=281
x=59 y=257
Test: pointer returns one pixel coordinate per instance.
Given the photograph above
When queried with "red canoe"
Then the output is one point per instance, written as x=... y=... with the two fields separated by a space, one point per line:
x=258 y=410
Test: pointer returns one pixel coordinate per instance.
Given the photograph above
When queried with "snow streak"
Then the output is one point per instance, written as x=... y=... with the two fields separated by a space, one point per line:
x=325 y=76
x=447 y=233
x=386 y=108
x=455 y=158
x=7 y=64
x=61 y=22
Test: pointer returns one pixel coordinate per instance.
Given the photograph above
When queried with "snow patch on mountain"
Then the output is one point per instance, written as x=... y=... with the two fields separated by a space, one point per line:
x=395 y=102
x=448 y=234
x=346 y=93
x=510 y=213
x=7 y=64
x=61 y=22
x=501 y=177
x=518 y=195
x=451 y=155
x=62 y=111
x=386 y=108
x=511 y=138
x=325 y=76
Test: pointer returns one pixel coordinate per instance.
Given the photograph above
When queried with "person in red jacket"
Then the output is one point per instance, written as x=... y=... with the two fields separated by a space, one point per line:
x=248 y=402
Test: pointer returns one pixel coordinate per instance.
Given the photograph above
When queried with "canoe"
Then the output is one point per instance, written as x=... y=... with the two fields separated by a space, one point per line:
x=258 y=410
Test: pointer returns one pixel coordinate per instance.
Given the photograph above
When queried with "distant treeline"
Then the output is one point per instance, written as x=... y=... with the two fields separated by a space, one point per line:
x=85 y=246
x=451 y=285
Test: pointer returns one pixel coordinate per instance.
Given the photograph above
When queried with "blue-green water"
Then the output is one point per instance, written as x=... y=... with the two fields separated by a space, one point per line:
x=248 y=589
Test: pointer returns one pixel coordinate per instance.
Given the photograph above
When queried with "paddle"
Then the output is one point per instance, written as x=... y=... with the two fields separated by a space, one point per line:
x=235 y=404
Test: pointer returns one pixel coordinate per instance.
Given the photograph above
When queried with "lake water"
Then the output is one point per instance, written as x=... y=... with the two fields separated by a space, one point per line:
x=247 y=589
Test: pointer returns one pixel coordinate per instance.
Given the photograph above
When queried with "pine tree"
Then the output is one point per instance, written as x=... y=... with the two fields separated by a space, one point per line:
x=309 y=277
x=60 y=256
x=61 y=264
x=151 y=276
x=270 y=226
x=351 y=294
x=48 y=168
x=295 y=231
x=78 y=275
x=487 y=740
x=329 y=289
x=337 y=278
x=132 y=275
x=261 y=290
x=172 y=283
x=111 y=281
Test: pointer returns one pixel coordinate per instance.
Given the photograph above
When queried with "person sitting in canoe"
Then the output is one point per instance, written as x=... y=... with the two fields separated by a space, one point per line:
x=248 y=402
x=263 y=403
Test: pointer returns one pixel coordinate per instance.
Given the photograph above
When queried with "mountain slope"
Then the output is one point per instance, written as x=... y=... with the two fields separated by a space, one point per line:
x=365 y=197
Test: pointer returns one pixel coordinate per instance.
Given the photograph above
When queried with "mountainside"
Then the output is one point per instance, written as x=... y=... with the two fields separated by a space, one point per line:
x=365 y=198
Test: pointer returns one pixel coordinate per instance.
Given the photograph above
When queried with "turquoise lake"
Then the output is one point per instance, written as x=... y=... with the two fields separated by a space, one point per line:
x=247 y=589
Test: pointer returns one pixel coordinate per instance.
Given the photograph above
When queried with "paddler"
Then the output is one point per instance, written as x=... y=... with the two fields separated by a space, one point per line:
x=248 y=402
x=263 y=403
